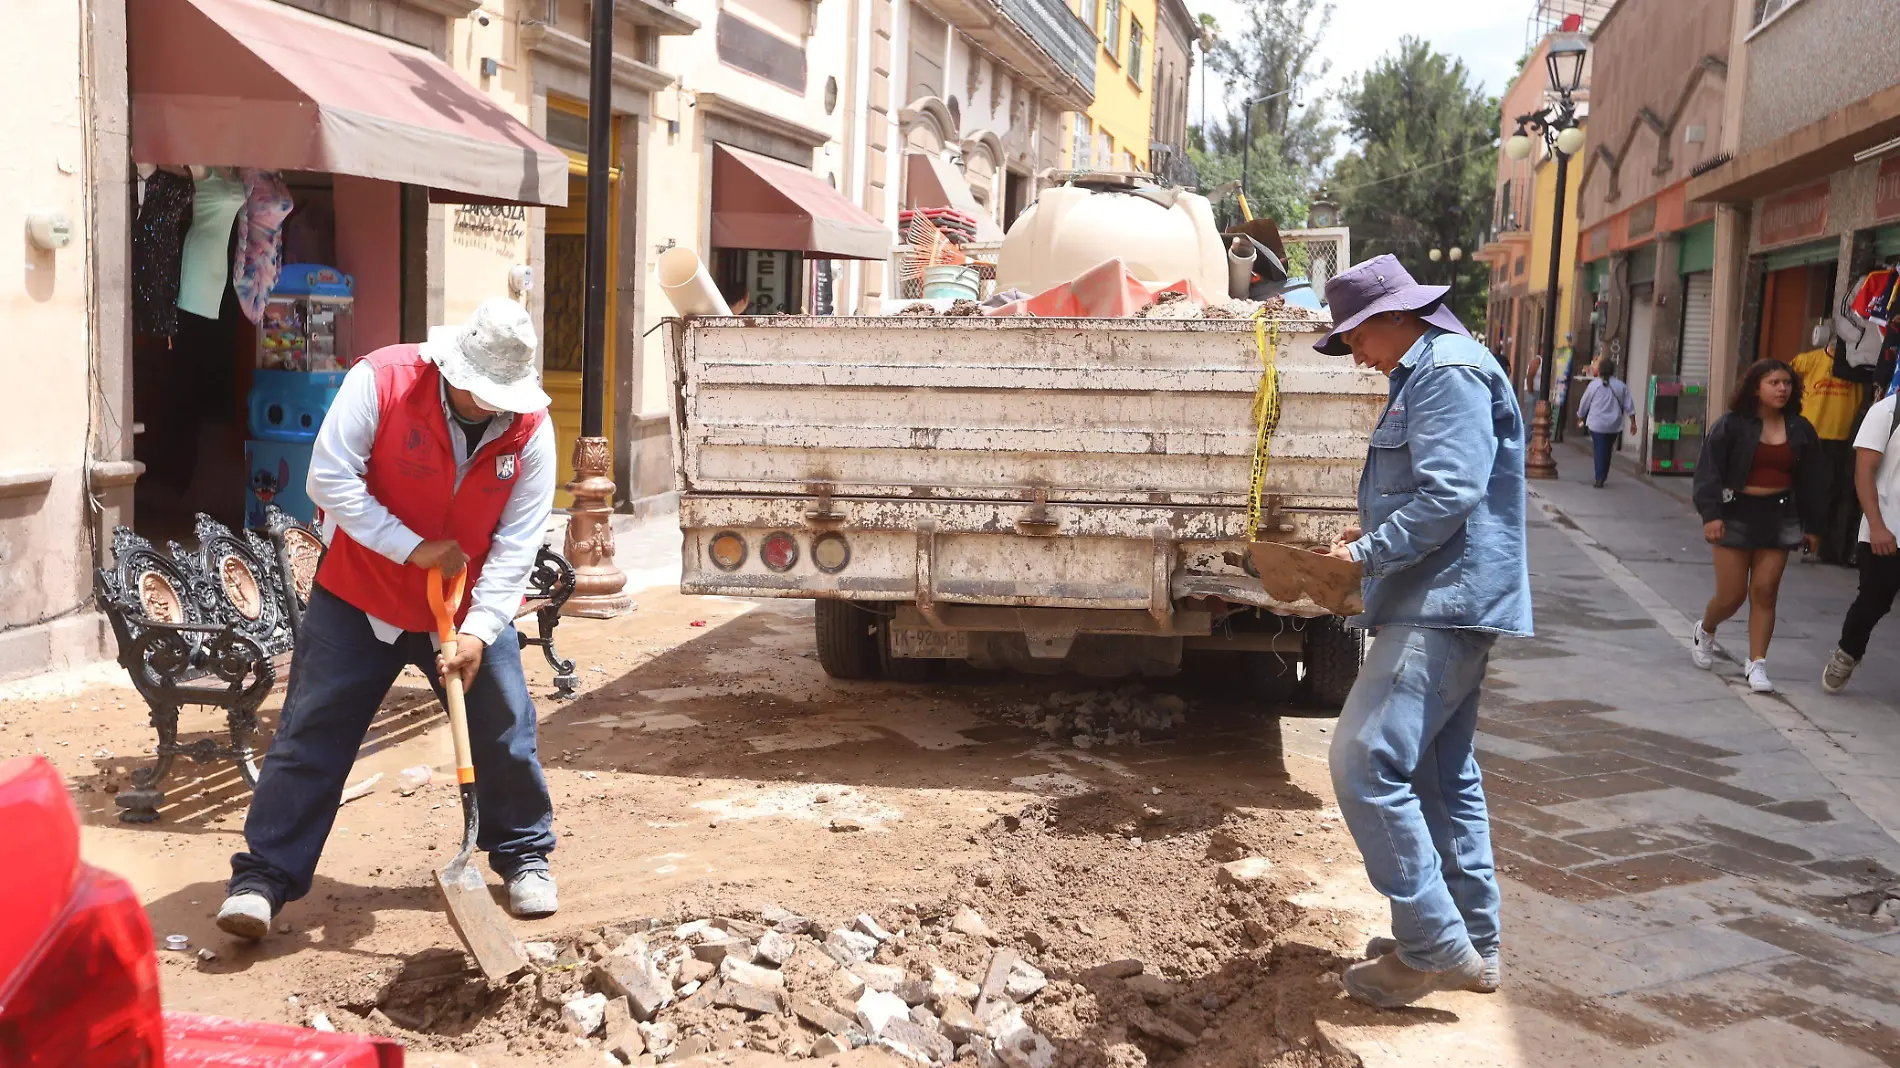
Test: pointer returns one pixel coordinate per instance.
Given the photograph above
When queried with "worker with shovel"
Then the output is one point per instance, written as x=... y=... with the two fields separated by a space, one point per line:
x=436 y=457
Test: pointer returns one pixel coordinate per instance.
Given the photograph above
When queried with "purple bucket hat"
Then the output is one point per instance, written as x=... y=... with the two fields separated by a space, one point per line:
x=1381 y=284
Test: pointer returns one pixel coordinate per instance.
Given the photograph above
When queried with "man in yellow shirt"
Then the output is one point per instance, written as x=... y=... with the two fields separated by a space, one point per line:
x=1832 y=404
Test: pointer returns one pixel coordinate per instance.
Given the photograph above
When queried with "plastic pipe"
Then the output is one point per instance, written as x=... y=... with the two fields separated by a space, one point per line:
x=684 y=280
x=1240 y=256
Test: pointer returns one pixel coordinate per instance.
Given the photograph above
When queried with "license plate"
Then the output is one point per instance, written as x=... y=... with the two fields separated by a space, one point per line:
x=909 y=644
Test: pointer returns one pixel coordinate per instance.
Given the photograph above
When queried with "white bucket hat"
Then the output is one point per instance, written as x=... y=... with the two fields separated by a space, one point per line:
x=492 y=356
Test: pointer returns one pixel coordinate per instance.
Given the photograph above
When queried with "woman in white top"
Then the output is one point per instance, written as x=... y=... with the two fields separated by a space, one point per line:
x=1604 y=407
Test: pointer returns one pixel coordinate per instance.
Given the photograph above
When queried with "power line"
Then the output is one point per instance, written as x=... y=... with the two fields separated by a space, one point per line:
x=1418 y=170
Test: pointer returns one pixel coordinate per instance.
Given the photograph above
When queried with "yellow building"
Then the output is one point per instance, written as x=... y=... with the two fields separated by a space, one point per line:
x=1537 y=278
x=1114 y=134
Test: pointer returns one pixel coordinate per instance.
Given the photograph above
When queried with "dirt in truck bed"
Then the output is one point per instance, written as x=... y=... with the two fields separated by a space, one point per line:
x=709 y=771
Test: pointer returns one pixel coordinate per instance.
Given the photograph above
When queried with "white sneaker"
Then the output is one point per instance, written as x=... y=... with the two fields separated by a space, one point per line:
x=1758 y=679
x=531 y=894
x=1702 y=649
x=245 y=914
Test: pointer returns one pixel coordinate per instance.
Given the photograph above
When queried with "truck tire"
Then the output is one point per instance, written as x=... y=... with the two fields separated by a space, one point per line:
x=1273 y=679
x=902 y=668
x=1333 y=653
x=847 y=640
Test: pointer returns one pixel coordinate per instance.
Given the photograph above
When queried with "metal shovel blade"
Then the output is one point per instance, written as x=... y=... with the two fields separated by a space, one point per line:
x=477 y=920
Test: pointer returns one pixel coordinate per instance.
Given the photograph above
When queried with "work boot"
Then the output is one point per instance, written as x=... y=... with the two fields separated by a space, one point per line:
x=1389 y=983
x=245 y=914
x=1840 y=668
x=531 y=894
x=1487 y=984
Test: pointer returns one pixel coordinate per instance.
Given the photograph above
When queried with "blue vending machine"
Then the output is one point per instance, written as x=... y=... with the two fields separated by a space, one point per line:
x=303 y=349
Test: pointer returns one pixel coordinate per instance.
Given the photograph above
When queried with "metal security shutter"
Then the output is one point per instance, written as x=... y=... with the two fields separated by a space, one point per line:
x=1696 y=304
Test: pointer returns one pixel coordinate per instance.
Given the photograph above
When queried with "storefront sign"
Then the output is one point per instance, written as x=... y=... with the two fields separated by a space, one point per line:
x=508 y=221
x=1887 y=191
x=1599 y=241
x=1795 y=215
x=770 y=278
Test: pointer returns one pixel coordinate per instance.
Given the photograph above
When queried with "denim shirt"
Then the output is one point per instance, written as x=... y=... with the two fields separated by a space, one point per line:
x=1441 y=499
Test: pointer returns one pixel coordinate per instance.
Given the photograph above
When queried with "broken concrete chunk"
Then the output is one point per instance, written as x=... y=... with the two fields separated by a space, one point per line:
x=1152 y=988
x=1025 y=981
x=737 y=971
x=775 y=948
x=945 y=983
x=622 y=1035
x=1163 y=1030
x=999 y=1017
x=1024 y=1048
x=959 y=1022
x=662 y=1039
x=853 y=944
x=824 y=1019
x=928 y=1044
x=867 y=924
x=985 y=1053
x=635 y=977
x=747 y=998
x=913 y=991
x=844 y=987
x=541 y=954
x=715 y=952
x=1247 y=871
x=741 y=928
x=967 y=922
x=996 y=977
x=583 y=1016
x=875 y=1009
x=686 y=932
x=926 y=1019
x=879 y=977
x=694 y=970
x=830 y=1046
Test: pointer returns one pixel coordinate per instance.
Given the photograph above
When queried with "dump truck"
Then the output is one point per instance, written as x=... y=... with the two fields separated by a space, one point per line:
x=1021 y=493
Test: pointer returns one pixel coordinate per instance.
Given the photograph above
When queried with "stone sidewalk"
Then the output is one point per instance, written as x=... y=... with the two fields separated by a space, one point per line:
x=1694 y=875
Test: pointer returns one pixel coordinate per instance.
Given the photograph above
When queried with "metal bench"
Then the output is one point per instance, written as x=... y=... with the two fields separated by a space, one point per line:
x=215 y=626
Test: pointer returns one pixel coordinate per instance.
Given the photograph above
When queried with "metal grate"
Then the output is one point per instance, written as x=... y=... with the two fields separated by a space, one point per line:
x=1317 y=254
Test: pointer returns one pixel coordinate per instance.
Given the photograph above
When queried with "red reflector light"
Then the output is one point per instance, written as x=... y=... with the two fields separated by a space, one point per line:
x=780 y=551
x=89 y=994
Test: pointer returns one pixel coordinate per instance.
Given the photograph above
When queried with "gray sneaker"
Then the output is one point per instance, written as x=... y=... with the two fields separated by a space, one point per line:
x=1840 y=667
x=531 y=894
x=1389 y=983
x=1487 y=983
x=246 y=915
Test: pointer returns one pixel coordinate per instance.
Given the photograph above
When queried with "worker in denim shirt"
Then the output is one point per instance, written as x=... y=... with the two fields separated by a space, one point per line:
x=1442 y=548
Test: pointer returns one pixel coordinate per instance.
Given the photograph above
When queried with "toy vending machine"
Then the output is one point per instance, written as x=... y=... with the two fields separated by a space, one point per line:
x=303 y=350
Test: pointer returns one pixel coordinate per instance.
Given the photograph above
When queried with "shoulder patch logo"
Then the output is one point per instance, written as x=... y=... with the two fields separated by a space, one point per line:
x=505 y=466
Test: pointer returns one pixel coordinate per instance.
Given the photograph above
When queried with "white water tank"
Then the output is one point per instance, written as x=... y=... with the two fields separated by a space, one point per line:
x=1164 y=235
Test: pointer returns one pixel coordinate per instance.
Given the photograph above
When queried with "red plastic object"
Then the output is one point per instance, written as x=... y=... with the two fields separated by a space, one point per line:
x=193 y=1041
x=79 y=975
x=1108 y=290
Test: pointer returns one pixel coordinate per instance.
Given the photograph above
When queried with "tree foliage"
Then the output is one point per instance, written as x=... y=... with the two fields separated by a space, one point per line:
x=1274 y=190
x=1421 y=173
x=1274 y=53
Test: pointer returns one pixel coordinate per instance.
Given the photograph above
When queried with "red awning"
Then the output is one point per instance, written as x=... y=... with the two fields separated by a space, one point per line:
x=761 y=203
x=253 y=83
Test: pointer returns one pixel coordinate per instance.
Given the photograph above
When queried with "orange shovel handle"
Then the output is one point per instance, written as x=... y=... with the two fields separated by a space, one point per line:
x=444 y=608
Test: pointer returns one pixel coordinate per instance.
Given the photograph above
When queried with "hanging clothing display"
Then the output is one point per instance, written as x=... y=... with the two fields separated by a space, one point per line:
x=1828 y=402
x=205 y=269
x=260 y=240
x=157 y=245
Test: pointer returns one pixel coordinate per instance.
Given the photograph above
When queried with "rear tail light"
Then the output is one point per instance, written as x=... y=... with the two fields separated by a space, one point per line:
x=89 y=994
x=779 y=552
x=831 y=553
x=727 y=551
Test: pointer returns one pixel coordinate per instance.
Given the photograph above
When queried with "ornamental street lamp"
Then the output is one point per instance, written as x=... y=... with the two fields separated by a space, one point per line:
x=1556 y=123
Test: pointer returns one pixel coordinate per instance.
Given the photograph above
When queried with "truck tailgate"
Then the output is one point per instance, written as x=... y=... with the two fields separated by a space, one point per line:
x=1079 y=411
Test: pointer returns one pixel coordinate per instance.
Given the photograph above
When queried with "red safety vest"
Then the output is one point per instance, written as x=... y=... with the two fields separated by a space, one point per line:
x=411 y=471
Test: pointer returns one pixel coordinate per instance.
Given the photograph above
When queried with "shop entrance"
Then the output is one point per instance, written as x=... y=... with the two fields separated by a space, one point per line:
x=564 y=319
x=1793 y=300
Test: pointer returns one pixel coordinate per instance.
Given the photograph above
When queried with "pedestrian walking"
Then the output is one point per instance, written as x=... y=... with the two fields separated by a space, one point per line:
x=438 y=455
x=1757 y=490
x=1877 y=481
x=1442 y=548
x=1604 y=407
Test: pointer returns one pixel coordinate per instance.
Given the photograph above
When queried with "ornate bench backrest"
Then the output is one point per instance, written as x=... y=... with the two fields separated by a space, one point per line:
x=298 y=549
x=243 y=587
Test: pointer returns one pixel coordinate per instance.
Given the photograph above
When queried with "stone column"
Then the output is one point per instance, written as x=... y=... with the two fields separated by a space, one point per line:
x=600 y=589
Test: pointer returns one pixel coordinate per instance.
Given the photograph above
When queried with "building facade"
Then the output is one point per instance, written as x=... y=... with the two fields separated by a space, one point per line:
x=1175 y=45
x=1113 y=133
x=1661 y=69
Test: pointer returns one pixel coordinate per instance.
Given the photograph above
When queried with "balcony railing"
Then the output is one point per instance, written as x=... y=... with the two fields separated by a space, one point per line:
x=1059 y=32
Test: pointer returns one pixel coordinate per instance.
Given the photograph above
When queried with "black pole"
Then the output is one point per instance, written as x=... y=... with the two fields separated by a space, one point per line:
x=599 y=164
x=1246 y=152
x=1556 y=257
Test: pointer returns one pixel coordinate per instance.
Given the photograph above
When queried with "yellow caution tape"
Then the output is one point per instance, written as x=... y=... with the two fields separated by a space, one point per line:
x=1266 y=415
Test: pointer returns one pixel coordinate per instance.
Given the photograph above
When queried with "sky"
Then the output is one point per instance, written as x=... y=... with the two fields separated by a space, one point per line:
x=1487 y=34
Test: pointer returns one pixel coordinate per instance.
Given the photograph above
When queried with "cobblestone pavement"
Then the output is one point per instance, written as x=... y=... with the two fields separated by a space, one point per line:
x=1693 y=874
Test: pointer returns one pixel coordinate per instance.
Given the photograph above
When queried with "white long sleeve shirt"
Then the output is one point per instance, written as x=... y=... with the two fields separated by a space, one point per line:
x=335 y=484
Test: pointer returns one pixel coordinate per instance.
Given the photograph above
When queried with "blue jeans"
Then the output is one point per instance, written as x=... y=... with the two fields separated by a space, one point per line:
x=1405 y=768
x=1603 y=445
x=339 y=675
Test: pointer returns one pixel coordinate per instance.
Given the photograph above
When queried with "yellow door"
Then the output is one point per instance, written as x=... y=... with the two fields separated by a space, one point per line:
x=564 y=324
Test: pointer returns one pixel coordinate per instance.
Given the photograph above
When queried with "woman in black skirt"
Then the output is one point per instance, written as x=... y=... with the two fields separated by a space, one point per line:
x=1756 y=487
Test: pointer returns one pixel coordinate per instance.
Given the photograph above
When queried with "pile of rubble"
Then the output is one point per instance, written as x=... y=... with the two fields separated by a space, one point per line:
x=1125 y=716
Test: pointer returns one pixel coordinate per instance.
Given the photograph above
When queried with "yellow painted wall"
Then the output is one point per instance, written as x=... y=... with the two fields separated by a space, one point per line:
x=1537 y=273
x=1122 y=108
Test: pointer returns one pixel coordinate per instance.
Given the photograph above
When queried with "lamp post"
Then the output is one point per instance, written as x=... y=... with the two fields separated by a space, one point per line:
x=599 y=586
x=1454 y=256
x=1557 y=125
x=1246 y=150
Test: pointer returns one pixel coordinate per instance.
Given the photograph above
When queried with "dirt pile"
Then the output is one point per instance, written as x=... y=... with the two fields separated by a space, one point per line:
x=1085 y=719
x=1107 y=931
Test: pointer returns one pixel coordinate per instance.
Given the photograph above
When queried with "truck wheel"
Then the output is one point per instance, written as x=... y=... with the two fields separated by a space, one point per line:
x=847 y=640
x=1272 y=679
x=902 y=668
x=1333 y=653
